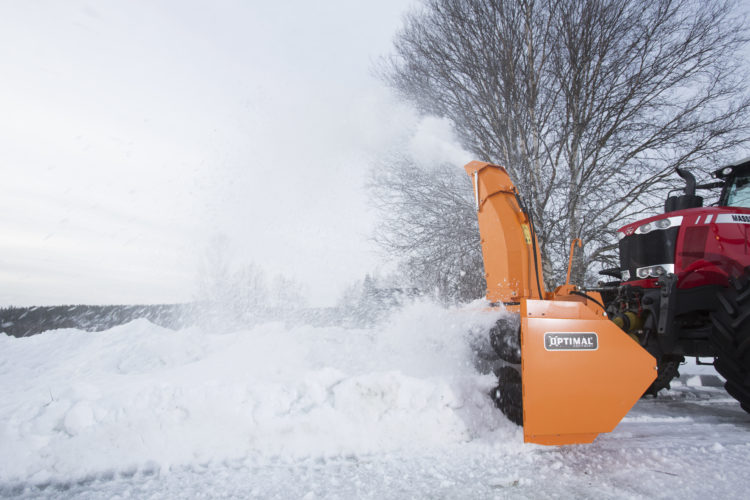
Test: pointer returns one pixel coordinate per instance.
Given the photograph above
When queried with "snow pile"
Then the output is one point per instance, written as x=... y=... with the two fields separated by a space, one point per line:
x=139 y=396
x=274 y=411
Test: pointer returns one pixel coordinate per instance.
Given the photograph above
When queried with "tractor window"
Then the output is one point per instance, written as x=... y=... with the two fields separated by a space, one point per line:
x=739 y=192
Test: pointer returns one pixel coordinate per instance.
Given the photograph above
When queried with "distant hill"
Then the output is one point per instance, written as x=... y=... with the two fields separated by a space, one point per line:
x=26 y=321
x=364 y=310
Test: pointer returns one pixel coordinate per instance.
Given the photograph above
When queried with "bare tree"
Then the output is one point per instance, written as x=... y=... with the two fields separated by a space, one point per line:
x=590 y=104
x=428 y=220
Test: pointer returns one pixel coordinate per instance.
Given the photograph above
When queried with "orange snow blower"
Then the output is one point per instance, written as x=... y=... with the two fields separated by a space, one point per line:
x=577 y=373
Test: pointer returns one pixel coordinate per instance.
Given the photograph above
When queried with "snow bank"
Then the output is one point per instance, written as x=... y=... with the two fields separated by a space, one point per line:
x=139 y=396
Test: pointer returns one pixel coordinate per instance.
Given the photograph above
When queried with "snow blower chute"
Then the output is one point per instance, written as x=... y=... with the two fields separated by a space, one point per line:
x=577 y=373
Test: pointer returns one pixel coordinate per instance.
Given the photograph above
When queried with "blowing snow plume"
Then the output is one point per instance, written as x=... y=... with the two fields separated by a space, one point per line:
x=138 y=396
x=234 y=294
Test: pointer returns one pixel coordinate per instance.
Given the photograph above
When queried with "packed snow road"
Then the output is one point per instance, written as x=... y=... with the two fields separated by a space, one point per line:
x=302 y=412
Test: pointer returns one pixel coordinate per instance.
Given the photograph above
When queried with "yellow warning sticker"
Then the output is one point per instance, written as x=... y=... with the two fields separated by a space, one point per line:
x=526 y=233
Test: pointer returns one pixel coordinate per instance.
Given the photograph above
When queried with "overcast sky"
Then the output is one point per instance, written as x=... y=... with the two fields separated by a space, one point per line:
x=133 y=133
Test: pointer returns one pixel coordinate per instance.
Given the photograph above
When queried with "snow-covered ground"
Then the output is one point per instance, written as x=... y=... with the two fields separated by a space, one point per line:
x=278 y=411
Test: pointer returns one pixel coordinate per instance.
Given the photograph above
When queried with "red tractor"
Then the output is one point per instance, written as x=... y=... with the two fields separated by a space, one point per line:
x=683 y=284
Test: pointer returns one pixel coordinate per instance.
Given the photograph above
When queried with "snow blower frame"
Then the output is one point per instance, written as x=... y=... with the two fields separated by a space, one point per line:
x=579 y=374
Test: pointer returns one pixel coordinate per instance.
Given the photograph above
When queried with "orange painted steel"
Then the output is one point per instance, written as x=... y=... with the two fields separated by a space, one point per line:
x=571 y=390
x=570 y=396
x=506 y=235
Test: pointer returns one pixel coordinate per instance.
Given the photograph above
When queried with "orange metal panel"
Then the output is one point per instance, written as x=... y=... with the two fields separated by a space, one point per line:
x=506 y=235
x=572 y=391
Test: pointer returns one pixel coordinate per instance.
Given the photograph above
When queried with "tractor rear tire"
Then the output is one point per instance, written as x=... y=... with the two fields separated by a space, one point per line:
x=508 y=395
x=731 y=338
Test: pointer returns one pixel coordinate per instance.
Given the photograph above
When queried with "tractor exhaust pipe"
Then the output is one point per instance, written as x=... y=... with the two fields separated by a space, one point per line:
x=688 y=199
x=689 y=181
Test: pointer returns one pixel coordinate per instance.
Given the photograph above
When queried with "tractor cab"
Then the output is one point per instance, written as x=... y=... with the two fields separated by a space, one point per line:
x=735 y=180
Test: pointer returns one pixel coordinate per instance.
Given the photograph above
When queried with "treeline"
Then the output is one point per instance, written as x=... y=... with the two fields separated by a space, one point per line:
x=26 y=321
x=361 y=305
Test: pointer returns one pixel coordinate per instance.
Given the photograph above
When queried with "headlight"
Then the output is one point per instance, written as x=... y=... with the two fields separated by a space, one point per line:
x=625 y=275
x=654 y=271
x=658 y=271
x=726 y=171
x=659 y=224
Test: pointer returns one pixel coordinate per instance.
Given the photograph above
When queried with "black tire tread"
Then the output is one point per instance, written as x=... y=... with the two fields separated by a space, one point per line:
x=738 y=392
x=731 y=338
x=508 y=395
x=505 y=338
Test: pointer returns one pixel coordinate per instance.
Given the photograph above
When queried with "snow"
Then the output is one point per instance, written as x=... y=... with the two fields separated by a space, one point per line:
x=282 y=411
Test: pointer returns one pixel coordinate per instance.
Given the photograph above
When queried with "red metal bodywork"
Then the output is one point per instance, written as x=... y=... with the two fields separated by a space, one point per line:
x=712 y=245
